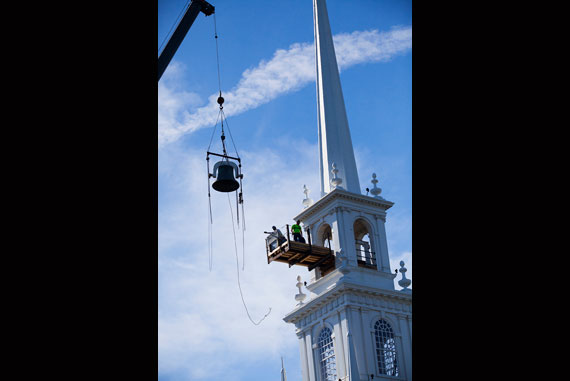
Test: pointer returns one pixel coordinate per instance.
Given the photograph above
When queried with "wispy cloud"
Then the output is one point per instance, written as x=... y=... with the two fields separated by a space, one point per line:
x=288 y=70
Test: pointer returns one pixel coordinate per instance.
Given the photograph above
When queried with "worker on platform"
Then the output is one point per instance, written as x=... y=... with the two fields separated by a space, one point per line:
x=274 y=238
x=297 y=232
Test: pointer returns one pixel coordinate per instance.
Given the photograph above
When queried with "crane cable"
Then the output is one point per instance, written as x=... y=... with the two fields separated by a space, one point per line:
x=217 y=54
x=221 y=117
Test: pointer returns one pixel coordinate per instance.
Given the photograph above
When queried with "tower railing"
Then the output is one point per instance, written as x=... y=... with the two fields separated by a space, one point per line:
x=366 y=258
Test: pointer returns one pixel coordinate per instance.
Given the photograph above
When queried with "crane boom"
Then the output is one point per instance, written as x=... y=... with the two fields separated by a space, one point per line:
x=196 y=6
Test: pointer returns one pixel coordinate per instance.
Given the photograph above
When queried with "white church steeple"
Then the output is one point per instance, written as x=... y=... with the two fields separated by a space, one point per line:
x=335 y=144
x=352 y=325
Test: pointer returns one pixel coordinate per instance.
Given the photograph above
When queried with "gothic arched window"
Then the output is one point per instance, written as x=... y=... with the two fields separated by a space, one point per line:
x=326 y=355
x=385 y=349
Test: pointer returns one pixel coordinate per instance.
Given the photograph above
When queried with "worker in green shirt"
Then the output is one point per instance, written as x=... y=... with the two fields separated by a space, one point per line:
x=296 y=230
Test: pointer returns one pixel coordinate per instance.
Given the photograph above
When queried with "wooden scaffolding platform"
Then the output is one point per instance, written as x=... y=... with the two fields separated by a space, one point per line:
x=302 y=254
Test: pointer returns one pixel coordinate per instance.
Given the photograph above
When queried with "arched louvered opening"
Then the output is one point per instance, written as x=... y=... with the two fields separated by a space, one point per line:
x=324 y=237
x=365 y=253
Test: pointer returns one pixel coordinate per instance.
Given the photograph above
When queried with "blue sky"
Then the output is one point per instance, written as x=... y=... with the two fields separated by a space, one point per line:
x=267 y=77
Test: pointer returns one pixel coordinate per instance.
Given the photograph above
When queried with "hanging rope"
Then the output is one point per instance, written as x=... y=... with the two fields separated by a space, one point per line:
x=240 y=201
x=230 y=131
x=237 y=265
x=215 y=126
x=210 y=220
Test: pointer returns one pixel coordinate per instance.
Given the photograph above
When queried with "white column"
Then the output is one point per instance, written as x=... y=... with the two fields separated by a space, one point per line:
x=406 y=344
x=382 y=246
x=364 y=348
x=340 y=344
x=309 y=356
x=369 y=343
x=304 y=357
x=357 y=339
x=346 y=235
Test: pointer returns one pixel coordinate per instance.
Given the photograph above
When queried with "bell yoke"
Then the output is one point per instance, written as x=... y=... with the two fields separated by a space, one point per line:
x=225 y=171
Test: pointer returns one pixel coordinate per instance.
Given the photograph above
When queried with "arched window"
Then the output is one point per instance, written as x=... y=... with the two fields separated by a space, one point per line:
x=326 y=355
x=386 y=349
x=325 y=237
x=365 y=255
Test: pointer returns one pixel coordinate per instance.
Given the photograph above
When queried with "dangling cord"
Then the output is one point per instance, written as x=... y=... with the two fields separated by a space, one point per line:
x=210 y=256
x=240 y=201
x=214 y=131
x=243 y=245
x=241 y=198
x=237 y=209
x=242 y=250
x=237 y=215
x=237 y=266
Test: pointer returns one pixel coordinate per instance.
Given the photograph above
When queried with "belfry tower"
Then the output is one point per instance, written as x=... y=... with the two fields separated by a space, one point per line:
x=353 y=325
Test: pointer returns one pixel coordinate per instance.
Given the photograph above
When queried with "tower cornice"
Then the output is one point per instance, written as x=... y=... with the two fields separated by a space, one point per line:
x=351 y=294
x=341 y=194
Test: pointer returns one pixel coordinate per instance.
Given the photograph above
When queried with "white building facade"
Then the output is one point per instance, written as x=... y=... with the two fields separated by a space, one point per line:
x=357 y=297
x=354 y=325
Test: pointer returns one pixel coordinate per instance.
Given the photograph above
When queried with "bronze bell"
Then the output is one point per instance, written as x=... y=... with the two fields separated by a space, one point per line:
x=223 y=172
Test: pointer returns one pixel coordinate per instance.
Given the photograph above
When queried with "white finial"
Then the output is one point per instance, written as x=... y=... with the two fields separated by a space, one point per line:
x=375 y=190
x=404 y=282
x=307 y=201
x=335 y=181
x=300 y=296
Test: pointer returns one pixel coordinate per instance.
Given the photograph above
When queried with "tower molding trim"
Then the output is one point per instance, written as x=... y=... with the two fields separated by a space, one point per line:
x=354 y=295
x=341 y=194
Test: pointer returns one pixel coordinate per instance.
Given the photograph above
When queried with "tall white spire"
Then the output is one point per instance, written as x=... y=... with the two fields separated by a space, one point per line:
x=335 y=144
x=352 y=342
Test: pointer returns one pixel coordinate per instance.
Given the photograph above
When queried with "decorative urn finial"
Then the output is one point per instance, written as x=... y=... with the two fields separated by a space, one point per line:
x=375 y=190
x=404 y=282
x=335 y=181
x=307 y=201
x=300 y=296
